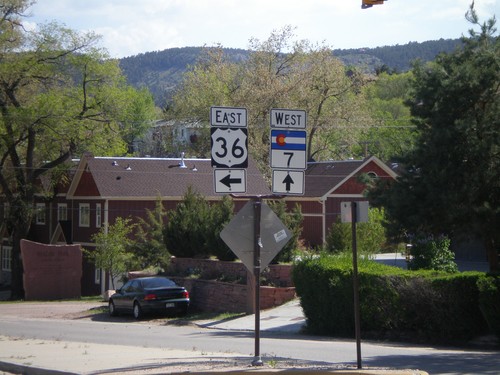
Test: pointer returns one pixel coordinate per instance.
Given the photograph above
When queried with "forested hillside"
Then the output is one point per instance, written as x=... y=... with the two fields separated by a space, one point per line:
x=161 y=71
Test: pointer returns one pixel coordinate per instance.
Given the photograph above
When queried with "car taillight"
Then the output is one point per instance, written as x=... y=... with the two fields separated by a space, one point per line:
x=185 y=294
x=149 y=297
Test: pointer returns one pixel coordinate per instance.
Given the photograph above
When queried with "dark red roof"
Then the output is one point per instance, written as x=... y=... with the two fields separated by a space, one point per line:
x=322 y=177
x=152 y=177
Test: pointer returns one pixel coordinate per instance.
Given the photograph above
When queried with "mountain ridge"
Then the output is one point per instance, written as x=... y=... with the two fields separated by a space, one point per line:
x=161 y=71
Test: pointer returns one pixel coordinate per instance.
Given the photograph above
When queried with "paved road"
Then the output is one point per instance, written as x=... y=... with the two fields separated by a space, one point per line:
x=234 y=338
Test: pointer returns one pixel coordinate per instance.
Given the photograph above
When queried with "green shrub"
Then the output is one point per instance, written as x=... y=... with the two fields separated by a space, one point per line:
x=193 y=228
x=489 y=302
x=370 y=236
x=432 y=253
x=425 y=306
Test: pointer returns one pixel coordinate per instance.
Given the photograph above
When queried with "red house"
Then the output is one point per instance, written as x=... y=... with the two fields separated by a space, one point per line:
x=327 y=184
x=100 y=189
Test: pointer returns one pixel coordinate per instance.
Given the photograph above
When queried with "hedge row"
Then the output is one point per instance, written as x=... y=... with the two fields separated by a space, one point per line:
x=423 y=306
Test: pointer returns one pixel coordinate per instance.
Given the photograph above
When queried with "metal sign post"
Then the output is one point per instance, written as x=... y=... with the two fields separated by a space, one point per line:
x=257 y=205
x=357 y=319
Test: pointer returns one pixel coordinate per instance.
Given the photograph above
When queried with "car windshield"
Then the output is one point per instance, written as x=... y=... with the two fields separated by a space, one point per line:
x=157 y=283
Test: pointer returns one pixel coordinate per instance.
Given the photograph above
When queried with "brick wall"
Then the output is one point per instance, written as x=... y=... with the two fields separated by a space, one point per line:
x=209 y=269
x=216 y=296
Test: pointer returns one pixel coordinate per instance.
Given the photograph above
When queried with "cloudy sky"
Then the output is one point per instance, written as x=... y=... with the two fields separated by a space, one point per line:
x=130 y=27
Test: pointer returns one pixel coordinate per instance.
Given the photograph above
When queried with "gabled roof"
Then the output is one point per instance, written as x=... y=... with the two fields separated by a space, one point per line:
x=323 y=178
x=137 y=178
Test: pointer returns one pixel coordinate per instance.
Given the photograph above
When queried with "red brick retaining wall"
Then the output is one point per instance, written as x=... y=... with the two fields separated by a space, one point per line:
x=217 y=296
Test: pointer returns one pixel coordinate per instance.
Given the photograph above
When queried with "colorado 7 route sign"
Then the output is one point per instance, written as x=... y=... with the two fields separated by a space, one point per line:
x=288 y=149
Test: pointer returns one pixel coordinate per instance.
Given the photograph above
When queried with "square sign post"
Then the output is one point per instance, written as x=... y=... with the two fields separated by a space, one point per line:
x=355 y=212
x=256 y=235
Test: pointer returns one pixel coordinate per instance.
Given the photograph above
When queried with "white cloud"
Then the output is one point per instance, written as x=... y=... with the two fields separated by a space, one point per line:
x=130 y=27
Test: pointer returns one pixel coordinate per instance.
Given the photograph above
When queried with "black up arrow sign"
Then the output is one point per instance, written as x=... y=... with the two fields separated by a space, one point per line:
x=227 y=180
x=288 y=181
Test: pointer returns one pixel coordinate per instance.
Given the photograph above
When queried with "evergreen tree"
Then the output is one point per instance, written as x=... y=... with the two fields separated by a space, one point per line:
x=150 y=249
x=451 y=180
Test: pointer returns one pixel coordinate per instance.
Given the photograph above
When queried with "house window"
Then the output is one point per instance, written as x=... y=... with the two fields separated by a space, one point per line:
x=98 y=217
x=62 y=212
x=84 y=214
x=97 y=276
x=40 y=213
x=6 y=258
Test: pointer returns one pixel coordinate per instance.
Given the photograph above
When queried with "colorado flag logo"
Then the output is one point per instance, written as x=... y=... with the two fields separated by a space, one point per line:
x=288 y=140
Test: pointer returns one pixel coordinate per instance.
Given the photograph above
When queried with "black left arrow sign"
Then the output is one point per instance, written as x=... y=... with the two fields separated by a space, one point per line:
x=288 y=181
x=227 y=180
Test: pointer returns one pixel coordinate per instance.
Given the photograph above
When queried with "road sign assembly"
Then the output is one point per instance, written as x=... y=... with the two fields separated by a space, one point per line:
x=288 y=155
x=229 y=148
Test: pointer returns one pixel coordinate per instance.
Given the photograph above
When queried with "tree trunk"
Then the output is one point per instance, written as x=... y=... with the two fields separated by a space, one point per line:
x=17 y=285
x=20 y=220
x=493 y=256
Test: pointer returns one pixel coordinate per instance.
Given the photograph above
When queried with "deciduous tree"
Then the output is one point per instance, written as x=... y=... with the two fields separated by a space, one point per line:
x=60 y=95
x=279 y=73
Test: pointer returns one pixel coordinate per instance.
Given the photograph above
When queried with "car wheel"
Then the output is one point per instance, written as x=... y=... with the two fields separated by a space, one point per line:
x=112 y=308
x=137 y=310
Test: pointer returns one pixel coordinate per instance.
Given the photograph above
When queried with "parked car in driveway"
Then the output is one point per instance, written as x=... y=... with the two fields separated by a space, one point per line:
x=154 y=294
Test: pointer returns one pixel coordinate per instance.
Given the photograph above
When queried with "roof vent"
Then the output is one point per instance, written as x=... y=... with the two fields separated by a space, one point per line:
x=181 y=163
x=128 y=168
x=114 y=163
x=194 y=169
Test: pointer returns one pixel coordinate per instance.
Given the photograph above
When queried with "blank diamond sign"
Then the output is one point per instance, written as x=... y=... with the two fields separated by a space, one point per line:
x=238 y=234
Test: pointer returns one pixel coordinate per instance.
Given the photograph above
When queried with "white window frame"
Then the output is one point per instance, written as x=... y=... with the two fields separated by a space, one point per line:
x=84 y=215
x=6 y=258
x=41 y=213
x=62 y=212
x=98 y=215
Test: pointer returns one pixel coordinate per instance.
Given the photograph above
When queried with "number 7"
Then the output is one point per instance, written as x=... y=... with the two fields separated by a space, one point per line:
x=290 y=154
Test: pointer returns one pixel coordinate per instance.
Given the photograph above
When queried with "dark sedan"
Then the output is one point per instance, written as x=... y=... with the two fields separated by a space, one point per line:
x=149 y=295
